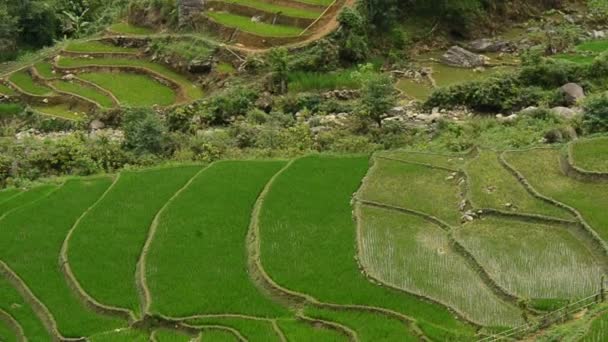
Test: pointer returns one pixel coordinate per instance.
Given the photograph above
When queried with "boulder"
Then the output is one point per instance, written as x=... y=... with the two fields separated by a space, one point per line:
x=459 y=57
x=200 y=66
x=187 y=9
x=565 y=112
x=490 y=45
x=97 y=125
x=572 y=93
x=265 y=102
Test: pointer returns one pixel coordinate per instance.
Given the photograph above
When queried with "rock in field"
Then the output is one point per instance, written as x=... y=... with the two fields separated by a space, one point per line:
x=459 y=57
x=572 y=93
x=490 y=45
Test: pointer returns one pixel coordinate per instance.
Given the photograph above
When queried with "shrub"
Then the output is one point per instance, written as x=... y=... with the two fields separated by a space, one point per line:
x=223 y=108
x=144 y=131
x=377 y=96
x=596 y=113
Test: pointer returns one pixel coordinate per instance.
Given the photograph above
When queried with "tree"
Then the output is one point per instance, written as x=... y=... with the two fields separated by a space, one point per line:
x=352 y=36
x=596 y=113
x=9 y=32
x=378 y=96
x=144 y=131
x=279 y=64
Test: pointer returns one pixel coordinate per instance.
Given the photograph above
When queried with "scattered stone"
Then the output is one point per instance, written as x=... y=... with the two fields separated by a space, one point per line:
x=490 y=45
x=467 y=218
x=68 y=77
x=572 y=93
x=97 y=125
x=459 y=57
x=198 y=66
x=564 y=112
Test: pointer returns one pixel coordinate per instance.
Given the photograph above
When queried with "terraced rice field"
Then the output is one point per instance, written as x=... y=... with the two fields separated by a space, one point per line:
x=321 y=248
x=591 y=154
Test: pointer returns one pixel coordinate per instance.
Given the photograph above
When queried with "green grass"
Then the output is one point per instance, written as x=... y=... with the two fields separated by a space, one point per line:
x=308 y=240
x=598 y=331
x=217 y=335
x=274 y=8
x=62 y=111
x=7 y=194
x=493 y=186
x=191 y=90
x=123 y=335
x=432 y=191
x=454 y=162
x=368 y=326
x=45 y=69
x=111 y=236
x=24 y=198
x=412 y=254
x=84 y=91
x=165 y=335
x=542 y=169
x=578 y=59
x=533 y=260
x=301 y=81
x=10 y=109
x=295 y=330
x=6 y=90
x=15 y=305
x=591 y=154
x=30 y=242
x=245 y=24
x=225 y=68
x=133 y=89
x=126 y=28
x=595 y=46
x=200 y=245
x=93 y=46
x=253 y=330
x=316 y=2
x=24 y=80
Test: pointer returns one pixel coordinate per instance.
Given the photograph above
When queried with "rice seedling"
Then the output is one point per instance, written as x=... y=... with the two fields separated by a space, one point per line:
x=493 y=186
x=105 y=246
x=15 y=305
x=6 y=90
x=30 y=242
x=432 y=191
x=533 y=260
x=252 y=330
x=97 y=46
x=24 y=80
x=308 y=240
x=127 y=28
x=275 y=8
x=165 y=335
x=10 y=109
x=412 y=254
x=542 y=169
x=296 y=330
x=200 y=245
x=191 y=89
x=62 y=111
x=591 y=154
x=368 y=326
x=84 y=91
x=7 y=194
x=598 y=331
x=45 y=69
x=245 y=24
x=455 y=161
x=17 y=200
x=120 y=335
x=149 y=91
x=218 y=335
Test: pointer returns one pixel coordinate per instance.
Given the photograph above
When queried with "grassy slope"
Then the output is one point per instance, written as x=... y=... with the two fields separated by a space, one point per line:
x=30 y=243
x=25 y=81
x=63 y=111
x=591 y=154
x=85 y=91
x=200 y=245
x=254 y=331
x=492 y=186
x=414 y=187
x=410 y=253
x=302 y=331
x=133 y=89
x=192 y=91
x=6 y=90
x=368 y=326
x=542 y=169
x=16 y=306
x=111 y=236
x=532 y=260
x=308 y=239
x=45 y=69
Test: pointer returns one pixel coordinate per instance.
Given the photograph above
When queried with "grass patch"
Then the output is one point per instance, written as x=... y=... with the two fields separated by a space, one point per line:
x=24 y=198
x=493 y=186
x=30 y=242
x=15 y=305
x=45 y=69
x=62 y=111
x=111 y=236
x=24 y=80
x=591 y=154
x=97 y=46
x=296 y=330
x=274 y=8
x=548 y=304
x=454 y=162
x=122 y=335
x=133 y=89
x=84 y=91
x=533 y=260
x=126 y=28
x=308 y=240
x=10 y=109
x=253 y=330
x=193 y=252
x=7 y=194
x=598 y=330
x=165 y=335
x=412 y=254
x=368 y=326
x=217 y=335
x=245 y=24
x=595 y=46
x=542 y=169
x=191 y=90
x=225 y=68
x=6 y=90
x=301 y=81
x=432 y=191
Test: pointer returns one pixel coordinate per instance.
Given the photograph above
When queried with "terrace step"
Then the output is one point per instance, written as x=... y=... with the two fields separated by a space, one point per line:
x=265 y=13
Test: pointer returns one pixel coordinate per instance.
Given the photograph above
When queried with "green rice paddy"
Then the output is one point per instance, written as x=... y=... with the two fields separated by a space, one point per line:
x=245 y=24
x=85 y=91
x=591 y=154
x=122 y=85
x=96 y=46
x=24 y=81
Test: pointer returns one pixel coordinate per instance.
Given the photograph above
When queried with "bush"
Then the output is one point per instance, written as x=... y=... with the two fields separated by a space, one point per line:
x=144 y=131
x=596 y=113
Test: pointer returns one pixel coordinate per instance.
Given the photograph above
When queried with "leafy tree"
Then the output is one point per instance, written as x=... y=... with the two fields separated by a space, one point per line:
x=279 y=64
x=378 y=96
x=352 y=37
x=9 y=32
x=144 y=131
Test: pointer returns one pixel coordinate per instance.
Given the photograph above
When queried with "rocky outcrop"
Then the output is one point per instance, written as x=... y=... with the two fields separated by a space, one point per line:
x=572 y=93
x=189 y=9
x=459 y=57
x=490 y=45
